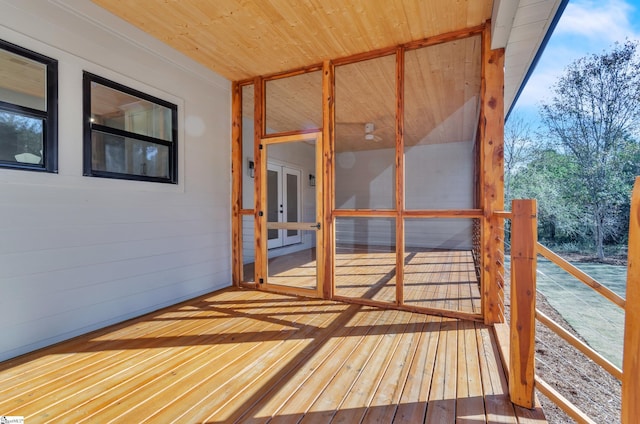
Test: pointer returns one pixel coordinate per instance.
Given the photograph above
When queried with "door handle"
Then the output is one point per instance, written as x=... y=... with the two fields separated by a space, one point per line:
x=317 y=226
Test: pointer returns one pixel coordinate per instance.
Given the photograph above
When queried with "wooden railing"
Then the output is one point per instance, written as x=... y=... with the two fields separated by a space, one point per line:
x=520 y=346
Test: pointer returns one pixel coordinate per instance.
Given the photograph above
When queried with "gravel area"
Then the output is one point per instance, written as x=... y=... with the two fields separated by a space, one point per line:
x=581 y=381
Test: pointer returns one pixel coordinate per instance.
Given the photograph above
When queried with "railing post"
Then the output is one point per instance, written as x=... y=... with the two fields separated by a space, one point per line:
x=631 y=355
x=524 y=237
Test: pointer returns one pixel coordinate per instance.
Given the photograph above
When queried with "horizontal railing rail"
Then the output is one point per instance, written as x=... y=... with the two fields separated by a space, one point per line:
x=581 y=275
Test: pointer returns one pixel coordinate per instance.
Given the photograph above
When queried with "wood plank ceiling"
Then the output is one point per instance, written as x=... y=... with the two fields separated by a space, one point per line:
x=244 y=39
x=241 y=39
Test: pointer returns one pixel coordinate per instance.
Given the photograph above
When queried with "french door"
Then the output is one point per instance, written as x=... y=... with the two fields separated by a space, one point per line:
x=292 y=208
x=284 y=204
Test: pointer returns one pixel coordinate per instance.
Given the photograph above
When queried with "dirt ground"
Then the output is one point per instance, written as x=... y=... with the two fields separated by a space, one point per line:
x=584 y=383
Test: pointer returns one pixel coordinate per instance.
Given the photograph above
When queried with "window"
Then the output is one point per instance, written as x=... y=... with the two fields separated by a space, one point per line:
x=28 y=109
x=128 y=134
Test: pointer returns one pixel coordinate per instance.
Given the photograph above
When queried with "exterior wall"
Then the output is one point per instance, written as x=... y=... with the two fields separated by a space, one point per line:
x=438 y=176
x=79 y=253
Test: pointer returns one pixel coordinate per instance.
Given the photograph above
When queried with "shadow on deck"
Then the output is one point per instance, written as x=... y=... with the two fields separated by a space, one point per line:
x=250 y=356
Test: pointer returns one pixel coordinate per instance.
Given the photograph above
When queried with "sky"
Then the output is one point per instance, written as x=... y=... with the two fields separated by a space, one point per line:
x=586 y=27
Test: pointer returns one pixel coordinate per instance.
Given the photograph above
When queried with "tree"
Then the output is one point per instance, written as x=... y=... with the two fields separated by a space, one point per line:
x=593 y=114
x=518 y=146
x=549 y=178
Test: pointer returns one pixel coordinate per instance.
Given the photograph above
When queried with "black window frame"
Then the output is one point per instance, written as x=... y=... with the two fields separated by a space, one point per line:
x=89 y=127
x=49 y=117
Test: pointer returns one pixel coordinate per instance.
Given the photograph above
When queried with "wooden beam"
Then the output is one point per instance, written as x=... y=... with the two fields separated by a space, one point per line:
x=259 y=195
x=524 y=228
x=320 y=233
x=364 y=213
x=327 y=186
x=293 y=135
x=443 y=213
x=292 y=73
x=236 y=183
x=631 y=355
x=492 y=178
x=399 y=176
x=446 y=37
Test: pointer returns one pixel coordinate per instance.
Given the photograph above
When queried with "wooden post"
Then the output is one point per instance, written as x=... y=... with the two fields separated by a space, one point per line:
x=260 y=242
x=523 y=302
x=631 y=355
x=492 y=178
x=400 y=177
x=328 y=117
x=236 y=183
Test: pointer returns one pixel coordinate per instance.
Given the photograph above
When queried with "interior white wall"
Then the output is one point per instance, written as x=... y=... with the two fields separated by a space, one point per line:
x=437 y=176
x=79 y=253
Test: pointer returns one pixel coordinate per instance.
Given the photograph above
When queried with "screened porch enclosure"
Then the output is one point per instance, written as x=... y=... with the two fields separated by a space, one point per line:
x=400 y=180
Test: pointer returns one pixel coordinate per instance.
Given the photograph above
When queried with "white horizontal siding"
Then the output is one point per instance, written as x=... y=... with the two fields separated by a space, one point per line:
x=78 y=253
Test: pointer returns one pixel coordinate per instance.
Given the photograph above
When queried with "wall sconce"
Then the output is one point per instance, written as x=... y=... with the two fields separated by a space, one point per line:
x=312 y=180
x=252 y=169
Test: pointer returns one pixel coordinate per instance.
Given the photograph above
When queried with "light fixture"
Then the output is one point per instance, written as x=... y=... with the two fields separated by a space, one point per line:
x=252 y=169
x=369 y=132
x=312 y=180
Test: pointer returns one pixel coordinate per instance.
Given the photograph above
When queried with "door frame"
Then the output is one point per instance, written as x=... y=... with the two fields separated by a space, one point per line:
x=261 y=239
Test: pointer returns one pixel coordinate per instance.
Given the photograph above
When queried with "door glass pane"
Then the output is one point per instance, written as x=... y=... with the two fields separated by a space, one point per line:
x=292 y=202
x=273 y=206
x=296 y=267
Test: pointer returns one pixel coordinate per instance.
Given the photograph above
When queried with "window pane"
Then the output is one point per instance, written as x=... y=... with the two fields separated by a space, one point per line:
x=273 y=207
x=21 y=139
x=292 y=202
x=23 y=82
x=116 y=109
x=129 y=156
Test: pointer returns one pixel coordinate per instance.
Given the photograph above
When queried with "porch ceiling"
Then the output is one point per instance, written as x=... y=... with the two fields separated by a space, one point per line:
x=241 y=39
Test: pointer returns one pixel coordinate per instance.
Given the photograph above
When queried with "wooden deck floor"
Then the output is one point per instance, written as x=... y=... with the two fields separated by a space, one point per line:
x=433 y=279
x=248 y=356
